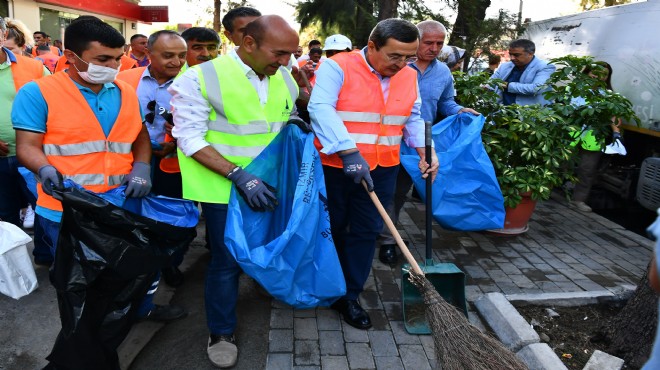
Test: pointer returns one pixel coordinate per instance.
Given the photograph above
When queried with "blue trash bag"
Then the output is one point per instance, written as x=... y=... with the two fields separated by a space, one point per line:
x=30 y=180
x=172 y=211
x=289 y=251
x=466 y=195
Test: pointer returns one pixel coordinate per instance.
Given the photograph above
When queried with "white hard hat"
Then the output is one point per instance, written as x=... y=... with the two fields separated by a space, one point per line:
x=337 y=42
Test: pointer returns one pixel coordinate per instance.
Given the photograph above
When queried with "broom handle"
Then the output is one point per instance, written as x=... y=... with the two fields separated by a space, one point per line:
x=393 y=230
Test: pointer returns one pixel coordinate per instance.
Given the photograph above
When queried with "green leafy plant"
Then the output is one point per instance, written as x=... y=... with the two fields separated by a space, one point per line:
x=583 y=99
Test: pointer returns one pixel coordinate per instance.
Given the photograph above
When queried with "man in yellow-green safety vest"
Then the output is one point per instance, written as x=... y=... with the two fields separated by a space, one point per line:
x=226 y=111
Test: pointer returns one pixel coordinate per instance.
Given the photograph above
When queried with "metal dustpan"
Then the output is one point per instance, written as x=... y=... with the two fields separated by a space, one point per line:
x=447 y=279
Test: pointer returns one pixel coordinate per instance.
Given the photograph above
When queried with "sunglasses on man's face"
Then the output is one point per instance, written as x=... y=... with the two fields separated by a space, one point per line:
x=151 y=107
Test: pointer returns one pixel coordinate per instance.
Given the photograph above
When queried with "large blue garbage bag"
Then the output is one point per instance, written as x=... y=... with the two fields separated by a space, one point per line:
x=466 y=195
x=289 y=251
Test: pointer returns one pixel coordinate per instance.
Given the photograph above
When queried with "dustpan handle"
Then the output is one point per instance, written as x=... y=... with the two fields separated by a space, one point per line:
x=393 y=230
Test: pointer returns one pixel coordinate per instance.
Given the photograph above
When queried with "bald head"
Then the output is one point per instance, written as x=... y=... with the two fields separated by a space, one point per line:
x=268 y=44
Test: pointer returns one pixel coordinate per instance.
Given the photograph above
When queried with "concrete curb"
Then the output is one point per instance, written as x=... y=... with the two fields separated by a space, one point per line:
x=516 y=334
x=572 y=299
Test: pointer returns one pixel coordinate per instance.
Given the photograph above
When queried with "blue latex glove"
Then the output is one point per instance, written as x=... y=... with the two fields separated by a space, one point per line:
x=357 y=169
x=138 y=181
x=50 y=179
x=257 y=194
x=615 y=136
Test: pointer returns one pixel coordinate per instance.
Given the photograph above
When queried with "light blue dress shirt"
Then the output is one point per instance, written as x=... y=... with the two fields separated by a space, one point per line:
x=149 y=90
x=327 y=125
x=436 y=86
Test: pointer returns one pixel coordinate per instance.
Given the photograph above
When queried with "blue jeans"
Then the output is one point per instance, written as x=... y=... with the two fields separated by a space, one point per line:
x=221 y=292
x=355 y=221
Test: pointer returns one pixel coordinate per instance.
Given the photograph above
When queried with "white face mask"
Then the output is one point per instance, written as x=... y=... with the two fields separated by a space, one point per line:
x=96 y=74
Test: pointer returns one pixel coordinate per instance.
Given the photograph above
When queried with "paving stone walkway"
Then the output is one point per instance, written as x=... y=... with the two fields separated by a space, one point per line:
x=563 y=251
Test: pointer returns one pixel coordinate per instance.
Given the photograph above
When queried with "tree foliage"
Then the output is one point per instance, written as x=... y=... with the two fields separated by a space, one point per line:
x=595 y=4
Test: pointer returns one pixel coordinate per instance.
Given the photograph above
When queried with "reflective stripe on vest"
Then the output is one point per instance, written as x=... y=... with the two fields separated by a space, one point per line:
x=78 y=147
x=239 y=126
x=376 y=126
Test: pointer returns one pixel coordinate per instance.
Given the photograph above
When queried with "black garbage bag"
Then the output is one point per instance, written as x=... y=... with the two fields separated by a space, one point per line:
x=106 y=260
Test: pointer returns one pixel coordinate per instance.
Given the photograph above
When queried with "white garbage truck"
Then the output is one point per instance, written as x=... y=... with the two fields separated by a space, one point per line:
x=626 y=37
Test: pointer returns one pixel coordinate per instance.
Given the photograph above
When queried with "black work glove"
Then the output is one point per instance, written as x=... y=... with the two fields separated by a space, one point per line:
x=257 y=193
x=617 y=135
x=357 y=168
x=138 y=181
x=302 y=125
x=50 y=179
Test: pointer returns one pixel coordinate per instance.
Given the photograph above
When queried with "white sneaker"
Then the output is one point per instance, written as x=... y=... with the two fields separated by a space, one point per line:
x=28 y=221
x=222 y=351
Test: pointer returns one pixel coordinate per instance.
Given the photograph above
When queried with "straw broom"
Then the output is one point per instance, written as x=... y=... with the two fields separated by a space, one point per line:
x=458 y=344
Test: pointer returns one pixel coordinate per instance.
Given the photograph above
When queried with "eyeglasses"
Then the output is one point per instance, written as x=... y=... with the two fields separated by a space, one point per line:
x=149 y=117
x=395 y=58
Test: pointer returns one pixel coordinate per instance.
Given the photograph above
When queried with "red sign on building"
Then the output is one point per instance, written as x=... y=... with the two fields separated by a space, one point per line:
x=155 y=13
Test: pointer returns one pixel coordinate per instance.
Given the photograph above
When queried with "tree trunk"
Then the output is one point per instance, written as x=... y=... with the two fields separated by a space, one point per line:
x=216 y=15
x=470 y=14
x=633 y=330
x=387 y=9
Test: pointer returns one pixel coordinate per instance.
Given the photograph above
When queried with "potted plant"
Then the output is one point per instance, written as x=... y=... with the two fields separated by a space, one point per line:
x=531 y=146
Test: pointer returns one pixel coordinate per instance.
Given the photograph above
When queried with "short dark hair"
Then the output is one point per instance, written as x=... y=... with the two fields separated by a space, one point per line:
x=313 y=42
x=156 y=35
x=393 y=28
x=81 y=32
x=202 y=34
x=241 y=11
x=43 y=34
x=137 y=36
x=43 y=48
x=315 y=51
x=527 y=45
x=494 y=59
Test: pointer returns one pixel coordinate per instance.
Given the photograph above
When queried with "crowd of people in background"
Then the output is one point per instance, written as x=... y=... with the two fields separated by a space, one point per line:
x=176 y=118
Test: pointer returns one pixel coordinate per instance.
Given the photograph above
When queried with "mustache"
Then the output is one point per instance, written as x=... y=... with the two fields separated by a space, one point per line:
x=201 y=57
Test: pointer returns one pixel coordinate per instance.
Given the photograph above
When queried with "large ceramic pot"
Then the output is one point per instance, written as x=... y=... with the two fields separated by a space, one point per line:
x=517 y=218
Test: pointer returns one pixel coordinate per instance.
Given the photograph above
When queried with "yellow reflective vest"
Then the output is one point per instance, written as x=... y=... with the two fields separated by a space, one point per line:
x=239 y=127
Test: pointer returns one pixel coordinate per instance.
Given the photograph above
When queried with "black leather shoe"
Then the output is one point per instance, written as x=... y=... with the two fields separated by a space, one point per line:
x=172 y=276
x=353 y=313
x=387 y=254
x=165 y=313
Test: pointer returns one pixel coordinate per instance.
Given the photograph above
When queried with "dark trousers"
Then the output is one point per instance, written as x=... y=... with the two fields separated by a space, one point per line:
x=403 y=184
x=587 y=171
x=355 y=221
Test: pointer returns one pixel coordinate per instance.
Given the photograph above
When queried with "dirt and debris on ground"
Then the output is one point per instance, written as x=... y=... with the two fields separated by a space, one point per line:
x=574 y=333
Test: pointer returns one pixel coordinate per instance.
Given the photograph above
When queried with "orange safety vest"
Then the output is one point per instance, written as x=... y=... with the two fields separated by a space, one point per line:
x=170 y=163
x=61 y=64
x=127 y=63
x=375 y=125
x=77 y=146
x=312 y=81
x=49 y=60
x=25 y=70
x=53 y=50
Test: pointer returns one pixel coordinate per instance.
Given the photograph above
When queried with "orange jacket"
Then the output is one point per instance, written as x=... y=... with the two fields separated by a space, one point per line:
x=375 y=125
x=49 y=60
x=74 y=141
x=132 y=76
x=61 y=64
x=127 y=63
x=53 y=50
x=25 y=70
